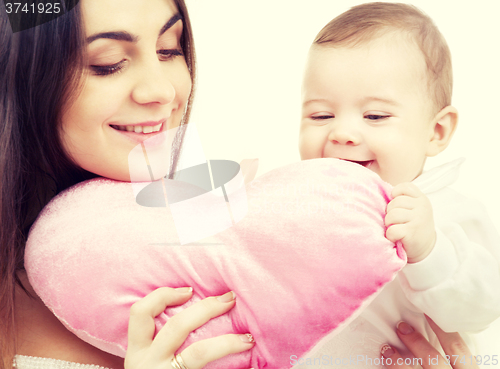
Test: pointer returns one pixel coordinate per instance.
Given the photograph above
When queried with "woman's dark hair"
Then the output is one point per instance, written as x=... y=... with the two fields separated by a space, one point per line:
x=187 y=44
x=40 y=70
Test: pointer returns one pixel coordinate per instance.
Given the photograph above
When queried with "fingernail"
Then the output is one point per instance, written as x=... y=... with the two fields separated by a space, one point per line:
x=386 y=351
x=184 y=289
x=227 y=297
x=247 y=338
x=405 y=328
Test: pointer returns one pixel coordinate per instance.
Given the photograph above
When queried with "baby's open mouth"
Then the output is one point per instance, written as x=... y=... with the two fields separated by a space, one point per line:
x=364 y=163
x=138 y=129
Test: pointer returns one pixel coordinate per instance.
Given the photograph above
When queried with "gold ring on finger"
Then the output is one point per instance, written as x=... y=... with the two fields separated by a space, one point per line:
x=178 y=363
x=174 y=363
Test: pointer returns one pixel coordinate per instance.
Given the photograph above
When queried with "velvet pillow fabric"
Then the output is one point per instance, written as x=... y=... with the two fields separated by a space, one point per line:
x=305 y=255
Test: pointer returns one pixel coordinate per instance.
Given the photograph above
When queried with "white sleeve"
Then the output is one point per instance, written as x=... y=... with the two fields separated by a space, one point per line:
x=458 y=284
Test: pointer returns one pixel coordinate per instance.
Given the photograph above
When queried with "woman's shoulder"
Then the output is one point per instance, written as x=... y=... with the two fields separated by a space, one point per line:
x=40 y=335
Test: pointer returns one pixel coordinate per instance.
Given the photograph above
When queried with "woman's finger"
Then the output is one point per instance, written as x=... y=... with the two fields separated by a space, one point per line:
x=179 y=326
x=420 y=347
x=457 y=352
x=455 y=348
x=141 y=327
x=393 y=359
x=146 y=352
x=200 y=353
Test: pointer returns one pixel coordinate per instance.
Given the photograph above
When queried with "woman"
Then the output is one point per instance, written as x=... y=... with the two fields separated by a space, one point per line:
x=457 y=354
x=71 y=90
x=59 y=127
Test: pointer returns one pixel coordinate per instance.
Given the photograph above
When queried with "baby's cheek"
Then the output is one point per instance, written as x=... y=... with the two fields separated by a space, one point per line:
x=309 y=146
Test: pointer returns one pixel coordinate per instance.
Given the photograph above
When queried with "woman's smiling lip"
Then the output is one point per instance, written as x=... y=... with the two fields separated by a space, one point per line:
x=139 y=132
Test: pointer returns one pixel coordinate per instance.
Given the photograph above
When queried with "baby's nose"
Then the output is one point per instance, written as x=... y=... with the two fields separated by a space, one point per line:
x=344 y=133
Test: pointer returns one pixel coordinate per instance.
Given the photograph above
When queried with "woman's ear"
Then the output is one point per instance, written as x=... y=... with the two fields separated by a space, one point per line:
x=442 y=129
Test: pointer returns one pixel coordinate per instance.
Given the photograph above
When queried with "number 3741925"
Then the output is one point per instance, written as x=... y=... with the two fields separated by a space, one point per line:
x=479 y=359
x=40 y=8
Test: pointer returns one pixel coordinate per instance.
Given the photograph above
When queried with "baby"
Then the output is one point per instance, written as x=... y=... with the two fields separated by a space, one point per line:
x=377 y=91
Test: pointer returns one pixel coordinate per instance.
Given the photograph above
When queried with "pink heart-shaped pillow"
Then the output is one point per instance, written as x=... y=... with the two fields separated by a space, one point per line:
x=304 y=260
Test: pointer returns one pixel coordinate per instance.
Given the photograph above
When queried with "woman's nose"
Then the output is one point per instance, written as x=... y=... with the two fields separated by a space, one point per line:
x=154 y=85
x=343 y=133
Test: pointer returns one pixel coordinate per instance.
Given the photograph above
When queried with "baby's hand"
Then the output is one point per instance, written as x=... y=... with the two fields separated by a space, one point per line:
x=409 y=219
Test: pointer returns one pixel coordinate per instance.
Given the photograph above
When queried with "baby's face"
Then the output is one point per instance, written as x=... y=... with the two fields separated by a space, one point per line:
x=368 y=104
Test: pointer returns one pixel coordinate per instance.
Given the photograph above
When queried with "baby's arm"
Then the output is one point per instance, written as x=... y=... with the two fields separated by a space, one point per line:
x=457 y=283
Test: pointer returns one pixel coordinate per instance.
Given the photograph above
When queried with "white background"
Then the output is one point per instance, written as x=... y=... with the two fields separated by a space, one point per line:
x=250 y=62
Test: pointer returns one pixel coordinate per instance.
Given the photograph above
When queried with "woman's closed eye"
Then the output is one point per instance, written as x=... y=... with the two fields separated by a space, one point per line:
x=168 y=54
x=104 y=70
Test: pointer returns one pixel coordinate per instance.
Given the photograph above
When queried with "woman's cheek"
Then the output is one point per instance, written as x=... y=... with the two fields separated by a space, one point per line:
x=102 y=100
x=184 y=84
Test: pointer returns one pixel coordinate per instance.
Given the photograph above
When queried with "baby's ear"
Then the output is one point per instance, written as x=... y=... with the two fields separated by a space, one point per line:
x=442 y=129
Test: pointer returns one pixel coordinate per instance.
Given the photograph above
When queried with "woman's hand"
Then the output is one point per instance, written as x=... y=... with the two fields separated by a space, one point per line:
x=457 y=352
x=146 y=352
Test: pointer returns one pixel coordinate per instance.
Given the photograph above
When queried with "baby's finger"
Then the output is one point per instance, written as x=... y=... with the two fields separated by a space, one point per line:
x=454 y=346
x=202 y=352
x=420 y=347
x=141 y=325
x=397 y=216
x=396 y=232
x=405 y=202
x=407 y=188
x=178 y=327
x=393 y=359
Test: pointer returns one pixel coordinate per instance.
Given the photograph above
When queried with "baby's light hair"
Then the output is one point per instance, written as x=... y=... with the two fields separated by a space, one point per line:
x=365 y=22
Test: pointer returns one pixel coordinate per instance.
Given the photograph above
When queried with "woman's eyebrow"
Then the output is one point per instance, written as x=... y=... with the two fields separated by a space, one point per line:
x=120 y=36
x=170 y=23
x=125 y=36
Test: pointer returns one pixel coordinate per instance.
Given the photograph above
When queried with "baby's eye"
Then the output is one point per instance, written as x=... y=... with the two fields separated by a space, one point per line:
x=322 y=116
x=376 y=117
